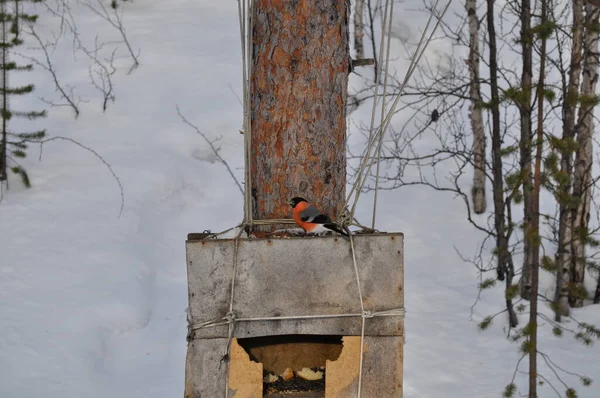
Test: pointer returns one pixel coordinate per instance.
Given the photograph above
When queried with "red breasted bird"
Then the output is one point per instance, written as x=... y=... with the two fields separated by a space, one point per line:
x=311 y=219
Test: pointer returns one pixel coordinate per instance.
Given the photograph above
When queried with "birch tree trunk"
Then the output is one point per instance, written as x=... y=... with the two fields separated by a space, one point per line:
x=359 y=28
x=525 y=112
x=475 y=113
x=565 y=231
x=582 y=175
x=299 y=78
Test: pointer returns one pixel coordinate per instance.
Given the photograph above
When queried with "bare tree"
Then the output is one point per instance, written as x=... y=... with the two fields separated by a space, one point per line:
x=525 y=114
x=570 y=94
x=582 y=177
x=532 y=231
x=498 y=180
x=476 y=115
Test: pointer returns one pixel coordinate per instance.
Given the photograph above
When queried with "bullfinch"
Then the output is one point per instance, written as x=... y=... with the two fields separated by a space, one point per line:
x=311 y=219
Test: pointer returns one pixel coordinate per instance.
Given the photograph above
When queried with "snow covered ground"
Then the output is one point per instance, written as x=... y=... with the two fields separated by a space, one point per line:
x=93 y=304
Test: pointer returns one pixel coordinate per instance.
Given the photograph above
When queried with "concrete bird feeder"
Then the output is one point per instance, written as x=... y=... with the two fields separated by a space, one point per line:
x=295 y=305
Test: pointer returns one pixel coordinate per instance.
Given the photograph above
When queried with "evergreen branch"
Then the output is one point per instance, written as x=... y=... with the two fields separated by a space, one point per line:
x=29 y=115
x=17 y=90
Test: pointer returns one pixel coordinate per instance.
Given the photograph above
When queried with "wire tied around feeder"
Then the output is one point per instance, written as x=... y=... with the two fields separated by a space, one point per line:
x=192 y=327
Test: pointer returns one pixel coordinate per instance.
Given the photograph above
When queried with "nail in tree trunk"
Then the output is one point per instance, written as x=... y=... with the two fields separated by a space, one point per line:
x=299 y=79
x=359 y=28
x=525 y=113
x=475 y=113
x=565 y=230
x=582 y=175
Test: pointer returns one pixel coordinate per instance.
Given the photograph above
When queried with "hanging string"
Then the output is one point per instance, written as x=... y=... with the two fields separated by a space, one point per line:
x=366 y=166
x=383 y=103
x=230 y=316
x=246 y=25
x=366 y=156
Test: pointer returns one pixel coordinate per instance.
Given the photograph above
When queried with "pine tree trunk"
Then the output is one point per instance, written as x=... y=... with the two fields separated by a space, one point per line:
x=534 y=232
x=597 y=295
x=582 y=175
x=359 y=28
x=475 y=113
x=565 y=231
x=525 y=112
x=498 y=178
x=4 y=83
x=300 y=65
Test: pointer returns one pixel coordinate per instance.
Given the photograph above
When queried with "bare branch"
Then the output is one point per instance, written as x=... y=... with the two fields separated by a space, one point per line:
x=213 y=148
x=115 y=19
x=93 y=152
x=50 y=68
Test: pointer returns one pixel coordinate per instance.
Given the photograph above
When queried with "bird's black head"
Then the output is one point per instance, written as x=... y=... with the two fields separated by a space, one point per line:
x=294 y=201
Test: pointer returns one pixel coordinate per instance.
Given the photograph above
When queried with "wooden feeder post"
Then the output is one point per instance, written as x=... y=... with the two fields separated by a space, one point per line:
x=299 y=63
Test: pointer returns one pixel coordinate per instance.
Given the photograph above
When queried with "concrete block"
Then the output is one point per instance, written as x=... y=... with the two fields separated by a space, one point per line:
x=292 y=276
x=296 y=276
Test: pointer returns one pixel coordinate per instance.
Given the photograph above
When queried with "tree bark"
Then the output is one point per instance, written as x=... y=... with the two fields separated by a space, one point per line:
x=565 y=231
x=5 y=112
x=475 y=113
x=582 y=175
x=525 y=113
x=359 y=29
x=534 y=233
x=300 y=64
x=498 y=181
x=597 y=294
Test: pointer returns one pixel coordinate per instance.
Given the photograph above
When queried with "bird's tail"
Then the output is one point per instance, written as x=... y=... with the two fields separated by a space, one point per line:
x=336 y=228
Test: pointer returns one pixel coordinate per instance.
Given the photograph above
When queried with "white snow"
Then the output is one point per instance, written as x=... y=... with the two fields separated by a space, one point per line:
x=93 y=304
